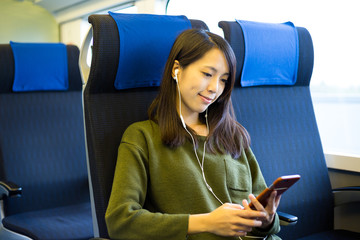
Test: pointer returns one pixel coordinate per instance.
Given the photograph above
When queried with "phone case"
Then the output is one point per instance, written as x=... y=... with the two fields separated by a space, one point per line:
x=281 y=184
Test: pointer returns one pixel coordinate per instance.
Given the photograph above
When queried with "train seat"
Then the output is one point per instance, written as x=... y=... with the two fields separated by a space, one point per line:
x=42 y=144
x=110 y=110
x=281 y=121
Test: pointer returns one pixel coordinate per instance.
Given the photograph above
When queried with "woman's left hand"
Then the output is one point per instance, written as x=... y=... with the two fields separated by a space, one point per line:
x=269 y=210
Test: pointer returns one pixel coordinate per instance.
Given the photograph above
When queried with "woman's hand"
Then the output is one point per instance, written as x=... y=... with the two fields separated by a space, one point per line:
x=227 y=220
x=269 y=211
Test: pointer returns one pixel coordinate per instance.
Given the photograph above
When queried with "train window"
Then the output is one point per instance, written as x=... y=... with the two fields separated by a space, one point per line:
x=75 y=26
x=86 y=25
x=335 y=85
x=71 y=28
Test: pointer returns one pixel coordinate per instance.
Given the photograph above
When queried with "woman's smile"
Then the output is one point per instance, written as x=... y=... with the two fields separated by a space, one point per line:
x=207 y=100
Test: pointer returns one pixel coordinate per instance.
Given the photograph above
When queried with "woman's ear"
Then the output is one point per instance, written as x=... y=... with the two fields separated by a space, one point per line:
x=175 y=69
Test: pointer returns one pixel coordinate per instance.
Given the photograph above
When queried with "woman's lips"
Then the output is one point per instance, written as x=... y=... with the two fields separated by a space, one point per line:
x=206 y=99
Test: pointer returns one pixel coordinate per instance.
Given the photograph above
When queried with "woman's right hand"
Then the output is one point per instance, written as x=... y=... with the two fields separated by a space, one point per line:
x=227 y=220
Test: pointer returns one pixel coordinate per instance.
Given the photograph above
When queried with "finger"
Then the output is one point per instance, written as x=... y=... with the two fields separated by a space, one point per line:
x=273 y=196
x=241 y=233
x=247 y=224
x=233 y=206
x=242 y=228
x=277 y=200
x=251 y=214
x=246 y=204
x=256 y=203
x=271 y=201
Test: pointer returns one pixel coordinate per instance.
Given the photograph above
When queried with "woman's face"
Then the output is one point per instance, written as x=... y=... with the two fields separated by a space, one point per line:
x=202 y=82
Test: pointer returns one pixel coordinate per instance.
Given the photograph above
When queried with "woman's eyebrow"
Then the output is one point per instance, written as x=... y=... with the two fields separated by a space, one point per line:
x=212 y=68
x=215 y=70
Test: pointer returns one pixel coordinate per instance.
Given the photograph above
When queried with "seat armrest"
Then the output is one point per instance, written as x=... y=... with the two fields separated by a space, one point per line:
x=345 y=195
x=287 y=219
x=9 y=189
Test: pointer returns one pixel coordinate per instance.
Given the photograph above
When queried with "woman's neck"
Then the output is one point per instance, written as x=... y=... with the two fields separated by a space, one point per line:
x=193 y=121
x=200 y=129
x=198 y=126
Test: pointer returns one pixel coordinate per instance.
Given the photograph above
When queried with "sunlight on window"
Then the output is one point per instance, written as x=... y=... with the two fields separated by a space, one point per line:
x=86 y=25
x=332 y=25
x=132 y=9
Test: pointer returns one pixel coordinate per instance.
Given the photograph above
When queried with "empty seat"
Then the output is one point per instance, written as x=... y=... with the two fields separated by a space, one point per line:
x=42 y=144
x=281 y=121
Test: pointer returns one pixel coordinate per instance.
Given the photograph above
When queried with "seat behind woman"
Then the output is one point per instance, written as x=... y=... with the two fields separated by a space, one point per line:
x=109 y=111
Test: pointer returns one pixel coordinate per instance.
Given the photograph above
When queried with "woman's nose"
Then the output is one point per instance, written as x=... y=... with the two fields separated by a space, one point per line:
x=213 y=85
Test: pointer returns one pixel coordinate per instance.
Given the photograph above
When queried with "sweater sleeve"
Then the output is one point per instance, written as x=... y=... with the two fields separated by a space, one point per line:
x=125 y=216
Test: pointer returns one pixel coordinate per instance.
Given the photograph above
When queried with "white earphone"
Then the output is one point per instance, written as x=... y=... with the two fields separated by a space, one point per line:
x=177 y=83
x=176 y=73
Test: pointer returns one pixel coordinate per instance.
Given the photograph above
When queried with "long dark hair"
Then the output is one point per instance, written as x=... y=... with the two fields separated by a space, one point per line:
x=226 y=134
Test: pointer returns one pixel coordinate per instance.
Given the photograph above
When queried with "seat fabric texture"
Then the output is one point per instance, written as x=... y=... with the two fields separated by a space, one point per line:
x=108 y=112
x=285 y=140
x=42 y=149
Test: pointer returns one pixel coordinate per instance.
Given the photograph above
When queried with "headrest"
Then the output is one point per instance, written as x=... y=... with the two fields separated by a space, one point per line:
x=271 y=53
x=145 y=44
x=40 y=66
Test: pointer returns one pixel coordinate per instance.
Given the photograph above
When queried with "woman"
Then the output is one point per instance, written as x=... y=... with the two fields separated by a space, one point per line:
x=184 y=173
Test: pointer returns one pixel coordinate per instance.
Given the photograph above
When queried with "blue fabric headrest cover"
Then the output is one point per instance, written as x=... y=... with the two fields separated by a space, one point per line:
x=40 y=66
x=145 y=44
x=271 y=53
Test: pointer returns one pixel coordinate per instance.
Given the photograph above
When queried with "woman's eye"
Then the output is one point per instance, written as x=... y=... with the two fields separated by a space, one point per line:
x=224 y=80
x=207 y=74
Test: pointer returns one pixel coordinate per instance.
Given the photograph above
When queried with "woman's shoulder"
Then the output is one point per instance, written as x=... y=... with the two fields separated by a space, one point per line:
x=141 y=125
x=247 y=154
x=147 y=128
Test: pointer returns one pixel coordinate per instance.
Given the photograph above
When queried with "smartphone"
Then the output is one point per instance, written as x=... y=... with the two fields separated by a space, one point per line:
x=281 y=184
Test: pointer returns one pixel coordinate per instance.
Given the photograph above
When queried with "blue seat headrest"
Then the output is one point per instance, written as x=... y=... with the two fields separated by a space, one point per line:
x=271 y=53
x=145 y=44
x=40 y=66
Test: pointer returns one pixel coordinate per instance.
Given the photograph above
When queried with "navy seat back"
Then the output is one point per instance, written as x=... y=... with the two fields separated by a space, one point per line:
x=108 y=111
x=285 y=137
x=42 y=145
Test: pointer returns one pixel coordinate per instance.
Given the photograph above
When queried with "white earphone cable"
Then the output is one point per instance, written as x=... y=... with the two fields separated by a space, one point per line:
x=201 y=164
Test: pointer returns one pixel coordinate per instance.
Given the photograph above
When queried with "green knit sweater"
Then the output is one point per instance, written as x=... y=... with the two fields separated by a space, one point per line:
x=155 y=187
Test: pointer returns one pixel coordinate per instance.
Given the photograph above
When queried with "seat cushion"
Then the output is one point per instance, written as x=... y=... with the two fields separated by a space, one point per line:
x=333 y=235
x=51 y=223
